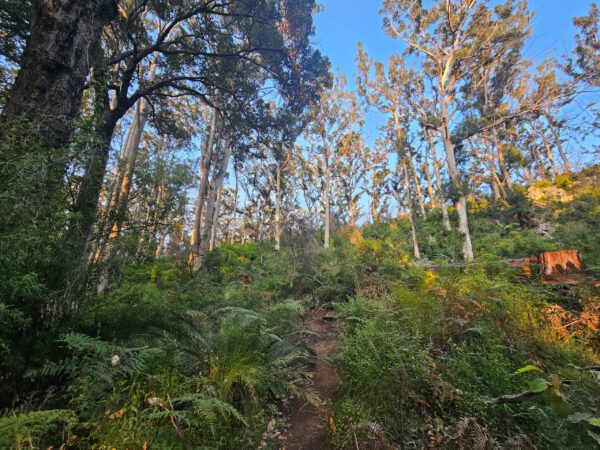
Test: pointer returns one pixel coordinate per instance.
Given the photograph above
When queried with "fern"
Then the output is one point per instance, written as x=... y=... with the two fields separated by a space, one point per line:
x=195 y=412
x=37 y=429
x=94 y=367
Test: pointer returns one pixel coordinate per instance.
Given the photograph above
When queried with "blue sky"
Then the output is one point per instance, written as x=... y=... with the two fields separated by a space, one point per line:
x=344 y=23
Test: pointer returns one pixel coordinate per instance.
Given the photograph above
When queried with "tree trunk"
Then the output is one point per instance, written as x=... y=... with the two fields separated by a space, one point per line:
x=432 y=195
x=492 y=168
x=549 y=154
x=205 y=159
x=501 y=161
x=118 y=208
x=55 y=65
x=438 y=182
x=409 y=208
x=460 y=203
x=417 y=187
x=219 y=171
x=278 y=204
x=234 y=218
x=215 y=221
x=559 y=146
x=327 y=205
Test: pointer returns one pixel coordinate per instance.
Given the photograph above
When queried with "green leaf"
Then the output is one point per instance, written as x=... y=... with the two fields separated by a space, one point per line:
x=526 y=369
x=595 y=421
x=538 y=385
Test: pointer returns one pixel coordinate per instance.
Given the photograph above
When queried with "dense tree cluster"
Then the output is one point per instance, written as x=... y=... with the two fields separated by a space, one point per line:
x=136 y=131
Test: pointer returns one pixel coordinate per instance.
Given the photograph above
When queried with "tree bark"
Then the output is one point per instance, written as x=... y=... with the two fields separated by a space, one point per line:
x=501 y=161
x=559 y=146
x=234 y=218
x=122 y=187
x=220 y=164
x=432 y=195
x=327 y=205
x=460 y=203
x=205 y=158
x=438 y=182
x=549 y=154
x=492 y=168
x=278 y=204
x=417 y=187
x=55 y=64
x=409 y=208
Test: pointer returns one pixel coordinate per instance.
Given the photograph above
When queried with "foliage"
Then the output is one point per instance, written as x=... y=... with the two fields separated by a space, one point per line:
x=37 y=429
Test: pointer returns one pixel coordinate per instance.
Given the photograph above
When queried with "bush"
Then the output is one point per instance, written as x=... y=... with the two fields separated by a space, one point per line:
x=37 y=429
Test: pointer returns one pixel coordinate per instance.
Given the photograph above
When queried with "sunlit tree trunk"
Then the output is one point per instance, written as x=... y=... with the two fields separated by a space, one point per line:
x=439 y=185
x=460 y=202
x=215 y=221
x=491 y=165
x=549 y=154
x=205 y=159
x=220 y=163
x=327 y=207
x=419 y=192
x=122 y=186
x=559 y=146
x=432 y=195
x=502 y=162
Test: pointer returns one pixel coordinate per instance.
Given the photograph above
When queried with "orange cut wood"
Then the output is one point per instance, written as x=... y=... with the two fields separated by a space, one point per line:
x=560 y=266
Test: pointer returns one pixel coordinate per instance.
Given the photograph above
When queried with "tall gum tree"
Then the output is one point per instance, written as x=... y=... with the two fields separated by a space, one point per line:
x=447 y=38
x=201 y=48
x=336 y=118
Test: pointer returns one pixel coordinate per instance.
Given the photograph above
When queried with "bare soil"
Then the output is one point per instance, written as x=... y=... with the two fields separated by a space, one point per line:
x=308 y=424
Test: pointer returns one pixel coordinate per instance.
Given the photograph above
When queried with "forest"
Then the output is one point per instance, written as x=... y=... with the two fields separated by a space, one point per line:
x=211 y=237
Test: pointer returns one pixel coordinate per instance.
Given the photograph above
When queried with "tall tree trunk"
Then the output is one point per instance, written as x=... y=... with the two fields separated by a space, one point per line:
x=418 y=190
x=409 y=208
x=492 y=168
x=327 y=207
x=502 y=162
x=460 y=202
x=549 y=154
x=432 y=195
x=220 y=164
x=205 y=158
x=438 y=183
x=559 y=146
x=234 y=218
x=122 y=187
x=55 y=64
x=215 y=221
x=278 y=204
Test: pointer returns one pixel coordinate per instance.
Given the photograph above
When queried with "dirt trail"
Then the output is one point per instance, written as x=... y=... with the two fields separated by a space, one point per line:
x=308 y=423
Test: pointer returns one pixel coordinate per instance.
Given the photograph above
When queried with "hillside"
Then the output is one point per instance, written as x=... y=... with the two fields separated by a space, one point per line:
x=476 y=356
x=299 y=225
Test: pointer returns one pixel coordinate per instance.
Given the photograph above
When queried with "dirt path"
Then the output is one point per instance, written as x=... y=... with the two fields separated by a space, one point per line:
x=308 y=423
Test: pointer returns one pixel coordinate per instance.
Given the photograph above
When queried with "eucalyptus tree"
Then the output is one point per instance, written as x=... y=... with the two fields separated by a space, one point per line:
x=335 y=120
x=586 y=63
x=388 y=91
x=450 y=39
x=201 y=49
